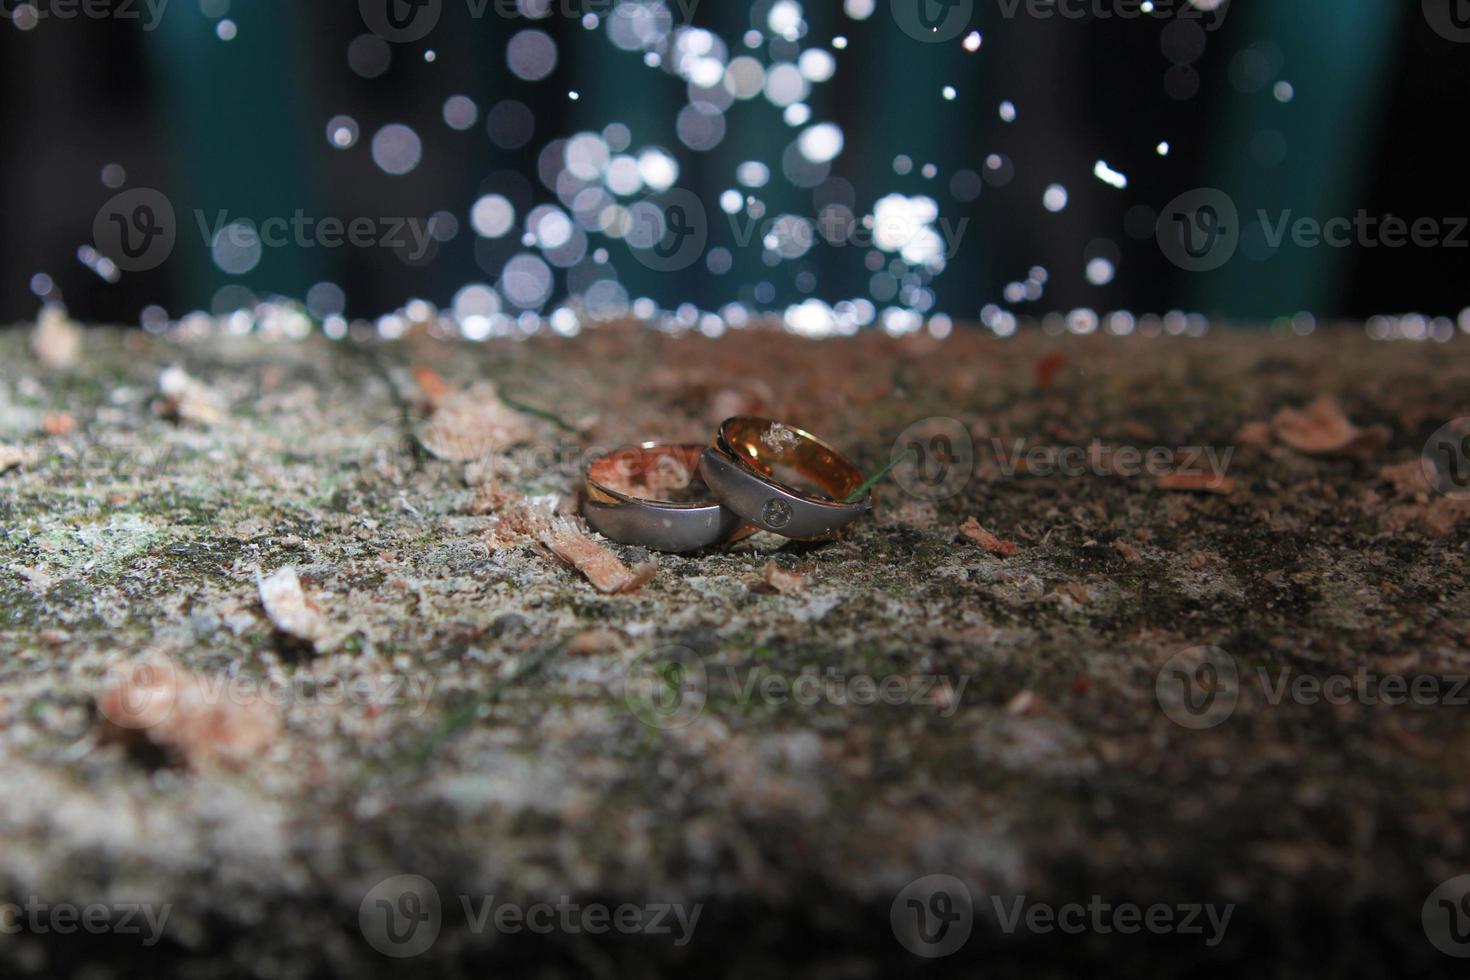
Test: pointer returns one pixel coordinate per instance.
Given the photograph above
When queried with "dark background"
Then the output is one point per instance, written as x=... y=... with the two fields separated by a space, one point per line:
x=240 y=126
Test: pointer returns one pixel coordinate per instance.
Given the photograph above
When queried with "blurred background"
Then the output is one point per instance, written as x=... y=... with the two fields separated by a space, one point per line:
x=503 y=159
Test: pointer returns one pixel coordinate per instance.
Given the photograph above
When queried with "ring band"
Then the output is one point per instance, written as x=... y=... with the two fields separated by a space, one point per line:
x=742 y=469
x=623 y=491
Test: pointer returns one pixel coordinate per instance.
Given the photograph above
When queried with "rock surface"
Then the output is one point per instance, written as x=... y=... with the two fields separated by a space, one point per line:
x=788 y=758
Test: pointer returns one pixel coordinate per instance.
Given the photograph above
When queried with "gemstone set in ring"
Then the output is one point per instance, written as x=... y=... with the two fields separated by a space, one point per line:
x=759 y=474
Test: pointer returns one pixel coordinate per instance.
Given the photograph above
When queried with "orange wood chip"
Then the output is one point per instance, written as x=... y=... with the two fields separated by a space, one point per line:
x=594 y=560
x=1322 y=429
x=152 y=700
x=996 y=546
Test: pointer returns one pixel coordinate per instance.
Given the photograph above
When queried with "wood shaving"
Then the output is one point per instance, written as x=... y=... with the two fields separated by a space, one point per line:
x=289 y=608
x=1406 y=478
x=1322 y=429
x=152 y=700
x=1196 y=483
x=996 y=546
x=783 y=580
x=433 y=386
x=594 y=560
x=58 y=423
x=592 y=643
x=57 y=341
x=187 y=400
x=1256 y=435
x=472 y=424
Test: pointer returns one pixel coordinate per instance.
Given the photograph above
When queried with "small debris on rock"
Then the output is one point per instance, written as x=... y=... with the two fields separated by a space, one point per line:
x=1023 y=703
x=594 y=560
x=186 y=399
x=57 y=340
x=1406 y=478
x=1255 y=435
x=1048 y=367
x=996 y=546
x=592 y=643
x=783 y=580
x=432 y=386
x=58 y=423
x=472 y=424
x=153 y=700
x=11 y=457
x=1322 y=429
x=289 y=608
x=1196 y=483
x=1127 y=550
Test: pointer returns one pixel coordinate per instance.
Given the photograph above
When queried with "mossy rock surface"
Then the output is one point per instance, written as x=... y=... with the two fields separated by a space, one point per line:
x=509 y=757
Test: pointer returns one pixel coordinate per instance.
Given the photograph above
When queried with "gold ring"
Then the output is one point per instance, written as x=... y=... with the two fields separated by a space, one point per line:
x=783 y=479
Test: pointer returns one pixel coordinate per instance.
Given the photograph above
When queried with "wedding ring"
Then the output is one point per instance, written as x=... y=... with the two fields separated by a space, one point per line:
x=636 y=496
x=756 y=465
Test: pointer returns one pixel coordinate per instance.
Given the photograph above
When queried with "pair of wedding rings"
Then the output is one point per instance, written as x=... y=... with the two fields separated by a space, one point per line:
x=759 y=475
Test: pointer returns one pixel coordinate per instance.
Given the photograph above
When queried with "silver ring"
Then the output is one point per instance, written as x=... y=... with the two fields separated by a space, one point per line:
x=622 y=503
x=742 y=467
